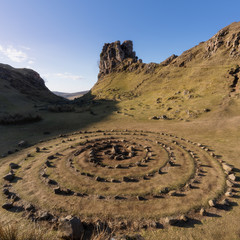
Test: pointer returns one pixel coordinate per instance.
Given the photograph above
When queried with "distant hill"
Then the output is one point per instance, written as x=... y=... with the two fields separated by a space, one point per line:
x=70 y=96
x=22 y=89
x=202 y=80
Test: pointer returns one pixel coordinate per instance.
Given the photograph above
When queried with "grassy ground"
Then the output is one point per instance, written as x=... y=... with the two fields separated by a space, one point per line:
x=220 y=133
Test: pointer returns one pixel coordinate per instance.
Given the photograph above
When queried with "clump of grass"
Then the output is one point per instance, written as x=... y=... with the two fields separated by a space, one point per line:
x=61 y=108
x=14 y=233
x=18 y=118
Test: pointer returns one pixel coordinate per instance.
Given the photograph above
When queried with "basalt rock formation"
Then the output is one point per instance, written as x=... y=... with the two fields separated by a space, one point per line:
x=113 y=54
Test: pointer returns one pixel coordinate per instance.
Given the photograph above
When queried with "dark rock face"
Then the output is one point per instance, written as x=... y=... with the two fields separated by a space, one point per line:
x=113 y=54
x=27 y=82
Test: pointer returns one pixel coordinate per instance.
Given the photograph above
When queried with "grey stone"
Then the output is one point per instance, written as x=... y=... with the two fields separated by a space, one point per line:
x=7 y=206
x=9 y=177
x=71 y=228
x=14 y=166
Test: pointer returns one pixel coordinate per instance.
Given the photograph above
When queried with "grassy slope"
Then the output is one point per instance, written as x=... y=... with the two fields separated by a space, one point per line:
x=178 y=92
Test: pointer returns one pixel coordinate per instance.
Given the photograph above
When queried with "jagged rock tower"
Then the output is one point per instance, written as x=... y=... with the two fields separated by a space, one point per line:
x=113 y=54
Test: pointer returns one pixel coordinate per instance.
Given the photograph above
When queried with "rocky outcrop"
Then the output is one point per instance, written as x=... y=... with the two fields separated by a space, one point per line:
x=113 y=54
x=168 y=60
x=227 y=38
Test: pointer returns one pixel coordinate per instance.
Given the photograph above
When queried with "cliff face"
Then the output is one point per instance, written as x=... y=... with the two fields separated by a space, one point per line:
x=113 y=54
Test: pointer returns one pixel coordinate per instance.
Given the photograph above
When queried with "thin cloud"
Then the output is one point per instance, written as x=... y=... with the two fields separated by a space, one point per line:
x=66 y=75
x=14 y=54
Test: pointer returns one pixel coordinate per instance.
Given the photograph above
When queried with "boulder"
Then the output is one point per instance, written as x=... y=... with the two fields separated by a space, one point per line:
x=29 y=207
x=232 y=177
x=9 y=177
x=7 y=206
x=202 y=212
x=227 y=167
x=57 y=190
x=212 y=203
x=71 y=228
x=14 y=166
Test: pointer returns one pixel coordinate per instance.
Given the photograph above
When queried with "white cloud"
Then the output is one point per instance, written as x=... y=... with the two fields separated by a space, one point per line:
x=16 y=55
x=13 y=54
x=66 y=75
x=30 y=62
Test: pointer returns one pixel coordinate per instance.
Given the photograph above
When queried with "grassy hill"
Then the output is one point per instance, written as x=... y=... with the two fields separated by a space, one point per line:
x=203 y=79
x=21 y=89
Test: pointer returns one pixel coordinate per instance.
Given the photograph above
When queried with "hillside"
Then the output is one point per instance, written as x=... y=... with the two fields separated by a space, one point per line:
x=21 y=89
x=202 y=79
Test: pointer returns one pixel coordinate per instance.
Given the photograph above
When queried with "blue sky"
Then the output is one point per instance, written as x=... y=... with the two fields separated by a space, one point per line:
x=62 y=39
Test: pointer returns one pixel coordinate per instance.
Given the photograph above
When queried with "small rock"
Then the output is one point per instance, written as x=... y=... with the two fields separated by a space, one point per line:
x=29 y=207
x=14 y=166
x=9 y=177
x=202 y=212
x=7 y=206
x=44 y=216
x=170 y=221
x=228 y=194
x=232 y=177
x=172 y=193
x=225 y=202
x=71 y=228
x=140 y=198
x=183 y=218
x=57 y=190
x=212 y=203
x=229 y=184
x=227 y=167
x=6 y=191
x=37 y=149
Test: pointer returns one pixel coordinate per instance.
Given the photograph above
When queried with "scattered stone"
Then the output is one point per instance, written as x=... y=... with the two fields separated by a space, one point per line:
x=183 y=218
x=6 y=191
x=48 y=164
x=229 y=184
x=227 y=167
x=232 y=177
x=71 y=228
x=7 y=206
x=118 y=166
x=37 y=149
x=29 y=207
x=202 y=212
x=14 y=166
x=172 y=193
x=51 y=157
x=140 y=198
x=170 y=221
x=225 y=202
x=57 y=190
x=100 y=179
x=101 y=197
x=212 y=203
x=228 y=194
x=44 y=216
x=9 y=177
x=127 y=179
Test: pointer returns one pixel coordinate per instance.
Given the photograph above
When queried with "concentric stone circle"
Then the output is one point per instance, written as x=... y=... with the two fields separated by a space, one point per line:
x=116 y=175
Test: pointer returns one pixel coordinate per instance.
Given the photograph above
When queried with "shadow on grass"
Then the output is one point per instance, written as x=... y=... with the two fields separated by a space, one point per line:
x=89 y=111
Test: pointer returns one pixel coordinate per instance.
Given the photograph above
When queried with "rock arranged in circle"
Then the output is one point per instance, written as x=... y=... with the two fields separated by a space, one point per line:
x=132 y=175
